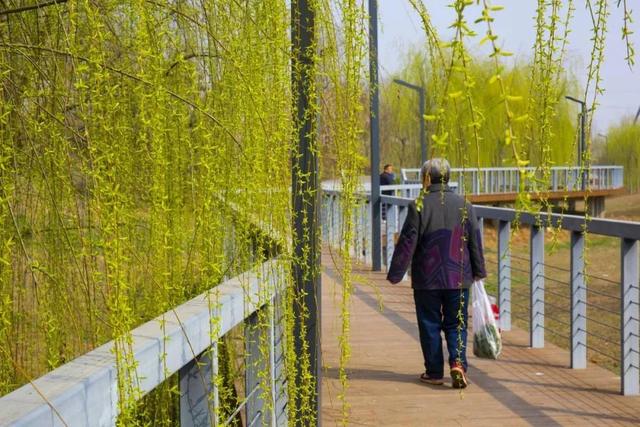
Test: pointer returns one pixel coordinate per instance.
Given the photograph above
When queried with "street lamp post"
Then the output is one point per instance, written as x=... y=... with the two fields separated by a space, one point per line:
x=374 y=126
x=600 y=150
x=421 y=109
x=582 y=145
x=605 y=136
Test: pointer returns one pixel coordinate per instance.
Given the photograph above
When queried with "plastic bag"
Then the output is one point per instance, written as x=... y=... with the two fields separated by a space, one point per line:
x=487 y=342
x=496 y=311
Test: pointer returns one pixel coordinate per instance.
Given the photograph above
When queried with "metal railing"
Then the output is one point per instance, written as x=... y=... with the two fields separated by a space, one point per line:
x=626 y=291
x=84 y=392
x=476 y=181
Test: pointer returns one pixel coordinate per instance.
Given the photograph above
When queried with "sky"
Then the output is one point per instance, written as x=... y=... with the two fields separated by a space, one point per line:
x=400 y=28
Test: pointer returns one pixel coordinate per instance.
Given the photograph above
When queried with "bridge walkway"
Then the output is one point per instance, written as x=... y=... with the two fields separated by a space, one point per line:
x=525 y=387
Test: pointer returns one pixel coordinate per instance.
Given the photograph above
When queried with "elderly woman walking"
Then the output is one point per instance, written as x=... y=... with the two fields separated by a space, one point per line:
x=441 y=240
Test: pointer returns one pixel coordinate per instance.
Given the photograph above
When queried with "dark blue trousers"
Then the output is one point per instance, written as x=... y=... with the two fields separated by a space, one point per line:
x=437 y=310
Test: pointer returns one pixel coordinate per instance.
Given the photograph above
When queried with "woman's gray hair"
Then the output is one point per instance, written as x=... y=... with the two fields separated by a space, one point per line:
x=437 y=169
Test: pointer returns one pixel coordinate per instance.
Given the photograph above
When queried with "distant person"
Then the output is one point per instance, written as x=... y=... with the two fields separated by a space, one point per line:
x=387 y=177
x=441 y=240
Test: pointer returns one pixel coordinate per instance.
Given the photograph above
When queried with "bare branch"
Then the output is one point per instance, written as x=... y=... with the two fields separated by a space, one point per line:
x=32 y=7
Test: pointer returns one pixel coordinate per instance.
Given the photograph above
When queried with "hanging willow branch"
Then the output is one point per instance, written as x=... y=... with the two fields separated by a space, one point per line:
x=173 y=94
x=32 y=7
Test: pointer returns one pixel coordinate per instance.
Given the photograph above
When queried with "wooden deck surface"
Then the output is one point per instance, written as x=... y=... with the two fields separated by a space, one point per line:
x=525 y=387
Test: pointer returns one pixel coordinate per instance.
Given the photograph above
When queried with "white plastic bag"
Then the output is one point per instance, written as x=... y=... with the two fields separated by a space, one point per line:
x=487 y=342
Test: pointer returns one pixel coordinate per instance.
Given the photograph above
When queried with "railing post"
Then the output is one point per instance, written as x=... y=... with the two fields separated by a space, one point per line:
x=337 y=219
x=273 y=414
x=536 y=279
x=629 y=323
x=486 y=181
x=367 y=230
x=340 y=221
x=278 y=374
x=255 y=367
x=504 y=274
x=578 y=303
x=392 y=215
x=325 y=206
x=402 y=216
x=474 y=182
x=198 y=393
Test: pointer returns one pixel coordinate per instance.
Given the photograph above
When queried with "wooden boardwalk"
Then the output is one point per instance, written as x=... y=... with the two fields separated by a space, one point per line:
x=526 y=387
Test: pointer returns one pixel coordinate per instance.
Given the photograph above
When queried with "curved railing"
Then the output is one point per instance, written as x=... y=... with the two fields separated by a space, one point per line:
x=84 y=392
x=474 y=181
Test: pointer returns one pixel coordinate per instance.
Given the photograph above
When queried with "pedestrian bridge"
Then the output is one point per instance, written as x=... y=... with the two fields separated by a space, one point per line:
x=535 y=381
x=558 y=185
x=556 y=320
x=525 y=387
x=495 y=185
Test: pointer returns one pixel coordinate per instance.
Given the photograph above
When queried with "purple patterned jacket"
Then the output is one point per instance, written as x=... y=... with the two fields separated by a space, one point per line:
x=445 y=252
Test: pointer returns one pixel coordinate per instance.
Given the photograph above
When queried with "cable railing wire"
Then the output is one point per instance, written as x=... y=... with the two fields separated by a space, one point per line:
x=555 y=280
x=604 y=279
x=616 y=297
x=547 y=290
x=598 y=322
x=557 y=333
x=515 y=316
x=242 y=404
x=615 y=359
x=522 y=282
x=521 y=270
x=600 y=337
x=519 y=305
x=556 y=267
x=555 y=319
x=520 y=257
x=557 y=307
x=597 y=307
x=513 y=291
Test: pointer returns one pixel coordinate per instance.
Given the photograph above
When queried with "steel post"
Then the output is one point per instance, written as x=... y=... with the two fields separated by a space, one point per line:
x=374 y=130
x=198 y=394
x=536 y=279
x=629 y=319
x=504 y=274
x=305 y=194
x=256 y=366
x=583 y=146
x=578 y=303
x=423 y=132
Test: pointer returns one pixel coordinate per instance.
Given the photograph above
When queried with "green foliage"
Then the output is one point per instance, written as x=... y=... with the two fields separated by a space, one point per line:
x=344 y=42
x=400 y=121
x=140 y=142
x=623 y=148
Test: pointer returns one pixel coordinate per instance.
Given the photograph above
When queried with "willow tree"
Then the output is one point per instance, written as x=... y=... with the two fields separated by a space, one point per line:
x=400 y=120
x=143 y=143
x=622 y=147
